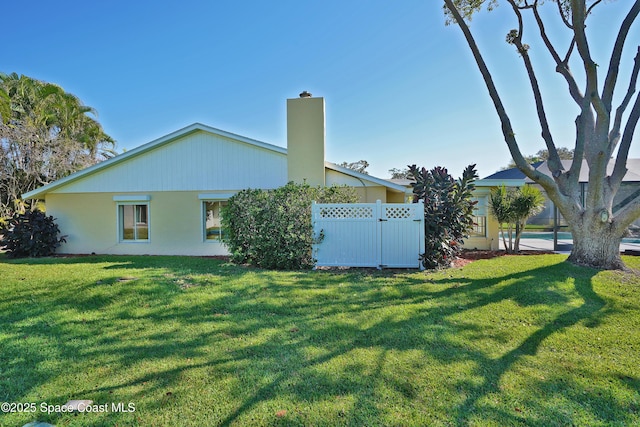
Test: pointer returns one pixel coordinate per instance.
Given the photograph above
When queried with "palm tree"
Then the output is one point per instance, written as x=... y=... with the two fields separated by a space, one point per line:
x=5 y=106
x=74 y=122
x=528 y=201
x=45 y=134
x=500 y=207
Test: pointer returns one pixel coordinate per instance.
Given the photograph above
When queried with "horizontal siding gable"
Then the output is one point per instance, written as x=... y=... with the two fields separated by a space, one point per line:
x=198 y=161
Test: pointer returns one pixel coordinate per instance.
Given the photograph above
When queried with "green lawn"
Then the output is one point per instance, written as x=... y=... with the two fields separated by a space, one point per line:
x=527 y=340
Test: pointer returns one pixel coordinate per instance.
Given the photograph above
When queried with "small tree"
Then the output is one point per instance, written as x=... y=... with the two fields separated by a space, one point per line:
x=514 y=207
x=448 y=212
x=31 y=234
x=500 y=207
x=529 y=201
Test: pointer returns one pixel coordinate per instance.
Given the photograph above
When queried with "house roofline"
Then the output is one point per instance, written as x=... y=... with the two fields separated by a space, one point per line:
x=195 y=127
x=364 y=176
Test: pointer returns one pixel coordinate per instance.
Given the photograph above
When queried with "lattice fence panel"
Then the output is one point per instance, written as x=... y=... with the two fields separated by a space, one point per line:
x=346 y=212
x=399 y=212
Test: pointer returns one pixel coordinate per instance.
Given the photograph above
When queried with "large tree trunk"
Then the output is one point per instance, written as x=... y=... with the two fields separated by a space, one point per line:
x=596 y=244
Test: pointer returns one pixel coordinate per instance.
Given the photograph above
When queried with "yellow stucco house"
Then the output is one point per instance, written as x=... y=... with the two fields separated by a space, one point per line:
x=486 y=231
x=164 y=197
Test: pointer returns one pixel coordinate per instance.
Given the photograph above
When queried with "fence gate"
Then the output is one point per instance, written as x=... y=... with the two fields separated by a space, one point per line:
x=382 y=235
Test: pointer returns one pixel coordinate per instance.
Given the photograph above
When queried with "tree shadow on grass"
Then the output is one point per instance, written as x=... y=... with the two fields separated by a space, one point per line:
x=493 y=369
x=309 y=336
x=413 y=333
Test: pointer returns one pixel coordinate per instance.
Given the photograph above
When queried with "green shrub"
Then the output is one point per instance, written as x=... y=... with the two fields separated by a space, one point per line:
x=31 y=234
x=448 y=212
x=272 y=228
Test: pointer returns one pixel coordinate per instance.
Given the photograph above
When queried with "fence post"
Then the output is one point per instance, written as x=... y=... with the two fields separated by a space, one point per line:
x=314 y=243
x=378 y=219
x=422 y=244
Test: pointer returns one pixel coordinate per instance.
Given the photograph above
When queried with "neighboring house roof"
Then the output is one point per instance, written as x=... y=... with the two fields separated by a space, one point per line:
x=632 y=175
x=509 y=175
x=181 y=133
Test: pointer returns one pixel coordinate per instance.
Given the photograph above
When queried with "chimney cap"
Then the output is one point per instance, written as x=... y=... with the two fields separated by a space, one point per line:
x=305 y=94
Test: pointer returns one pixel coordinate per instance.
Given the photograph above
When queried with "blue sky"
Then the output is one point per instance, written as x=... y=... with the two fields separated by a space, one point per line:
x=400 y=87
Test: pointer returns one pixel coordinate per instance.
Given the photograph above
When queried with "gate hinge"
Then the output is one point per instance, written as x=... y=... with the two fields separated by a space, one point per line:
x=382 y=219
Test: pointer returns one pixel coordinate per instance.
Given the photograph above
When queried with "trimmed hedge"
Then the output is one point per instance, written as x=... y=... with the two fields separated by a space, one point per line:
x=272 y=228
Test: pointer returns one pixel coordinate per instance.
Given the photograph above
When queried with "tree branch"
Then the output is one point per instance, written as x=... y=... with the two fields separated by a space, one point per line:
x=555 y=165
x=578 y=151
x=614 y=135
x=591 y=70
x=562 y=66
x=627 y=215
x=545 y=181
x=595 y=3
x=616 y=55
x=620 y=168
x=596 y=137
x=562 y=15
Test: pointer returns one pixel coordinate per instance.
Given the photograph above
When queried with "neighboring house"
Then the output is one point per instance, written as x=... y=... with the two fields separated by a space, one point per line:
x=164 y=197
x=629 y=189
x=486 y=230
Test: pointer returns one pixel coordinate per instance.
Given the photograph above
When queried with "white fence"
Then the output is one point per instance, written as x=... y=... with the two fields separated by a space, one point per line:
x=381 y=235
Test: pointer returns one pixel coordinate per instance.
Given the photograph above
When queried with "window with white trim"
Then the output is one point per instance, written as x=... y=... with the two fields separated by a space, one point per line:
x=133 y=222
x=480 y=217
x=212 y=219
x=479 y=226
